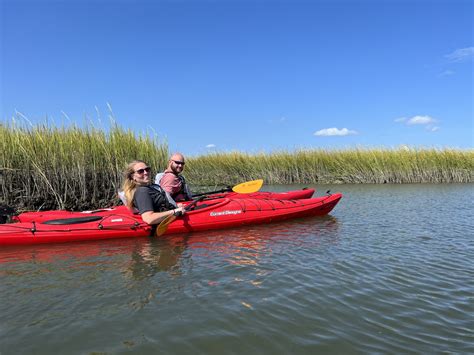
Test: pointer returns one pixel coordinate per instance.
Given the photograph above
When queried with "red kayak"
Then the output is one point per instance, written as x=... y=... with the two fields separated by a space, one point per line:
x=44 y=215
x=121 y=223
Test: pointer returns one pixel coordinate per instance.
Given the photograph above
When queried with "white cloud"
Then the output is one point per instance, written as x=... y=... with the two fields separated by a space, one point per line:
x=447 y=73
x=420 y=120
x=327 y=132
x=427 y=121
x=401 y=119
x=210 y=146
x=461 y=55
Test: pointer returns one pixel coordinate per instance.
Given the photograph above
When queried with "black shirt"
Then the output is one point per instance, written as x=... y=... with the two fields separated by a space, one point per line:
x=151 y=198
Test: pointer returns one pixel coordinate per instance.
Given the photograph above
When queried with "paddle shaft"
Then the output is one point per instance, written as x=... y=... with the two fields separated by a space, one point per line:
x=163 y=226
x=228 y=189
x=192 y=204
x=242 y=188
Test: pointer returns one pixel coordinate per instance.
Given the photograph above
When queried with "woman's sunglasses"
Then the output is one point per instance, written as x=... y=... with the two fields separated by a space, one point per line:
x=142 y=171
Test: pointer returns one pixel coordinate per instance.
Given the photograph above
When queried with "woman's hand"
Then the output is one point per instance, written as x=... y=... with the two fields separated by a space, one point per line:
x=156 y=217
x=179 y=211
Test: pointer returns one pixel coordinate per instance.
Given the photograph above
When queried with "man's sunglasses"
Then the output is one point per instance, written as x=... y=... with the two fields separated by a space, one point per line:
x=177 y=162
x=142 y=171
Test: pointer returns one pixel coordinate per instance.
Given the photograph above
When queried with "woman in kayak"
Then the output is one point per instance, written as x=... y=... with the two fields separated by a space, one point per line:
x=151 y=200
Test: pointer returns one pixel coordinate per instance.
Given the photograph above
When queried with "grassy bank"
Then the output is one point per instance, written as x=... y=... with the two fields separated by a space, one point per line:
x=401 y=165
x=43 y=167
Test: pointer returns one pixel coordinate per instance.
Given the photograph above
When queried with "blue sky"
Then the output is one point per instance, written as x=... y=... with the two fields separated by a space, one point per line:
x=246 y=75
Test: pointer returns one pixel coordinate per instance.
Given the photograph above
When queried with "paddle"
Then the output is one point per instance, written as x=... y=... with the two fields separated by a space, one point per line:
x=163 y=226
x=247 y=187
x=242 y=188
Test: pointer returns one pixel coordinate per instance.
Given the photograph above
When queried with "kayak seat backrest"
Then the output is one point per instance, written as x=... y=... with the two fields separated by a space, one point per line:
x=122 y=198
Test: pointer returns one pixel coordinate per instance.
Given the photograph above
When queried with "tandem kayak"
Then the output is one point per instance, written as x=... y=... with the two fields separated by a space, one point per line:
x=121 y=223
x=45 y=215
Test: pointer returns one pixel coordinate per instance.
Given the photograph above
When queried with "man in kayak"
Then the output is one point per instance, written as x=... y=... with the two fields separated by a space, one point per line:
x=150 y=199
x=172 y=182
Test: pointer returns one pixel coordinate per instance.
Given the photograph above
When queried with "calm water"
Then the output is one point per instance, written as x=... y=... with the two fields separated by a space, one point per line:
x=389 y=271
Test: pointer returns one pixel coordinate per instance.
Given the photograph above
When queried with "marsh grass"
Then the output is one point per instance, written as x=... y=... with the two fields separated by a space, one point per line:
x=402 y=165
x=48 y=167
x=44 y=167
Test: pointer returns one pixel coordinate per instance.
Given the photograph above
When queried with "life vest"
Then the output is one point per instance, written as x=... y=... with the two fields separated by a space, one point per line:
x=165 y=202
x=185 y=191
x=169 y=200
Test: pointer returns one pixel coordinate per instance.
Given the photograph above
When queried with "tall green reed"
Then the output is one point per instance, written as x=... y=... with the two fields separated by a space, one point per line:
x=44 y=167
x=358 y=165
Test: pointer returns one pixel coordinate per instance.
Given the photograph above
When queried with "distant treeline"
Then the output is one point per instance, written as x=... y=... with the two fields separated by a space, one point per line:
x=44 y=167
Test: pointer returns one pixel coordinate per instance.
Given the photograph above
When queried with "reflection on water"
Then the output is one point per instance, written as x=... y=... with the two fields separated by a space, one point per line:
x=151 y=255
x=154 y=256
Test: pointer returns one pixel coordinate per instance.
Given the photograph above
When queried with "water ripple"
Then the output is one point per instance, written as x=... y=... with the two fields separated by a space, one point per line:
x=390 y=271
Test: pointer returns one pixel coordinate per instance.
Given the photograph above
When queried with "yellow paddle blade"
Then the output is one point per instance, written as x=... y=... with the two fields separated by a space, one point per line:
x=163 y=226
x=248 y=187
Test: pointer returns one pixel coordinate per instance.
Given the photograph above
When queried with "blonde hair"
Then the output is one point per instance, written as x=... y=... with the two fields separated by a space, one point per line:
x=129 y=185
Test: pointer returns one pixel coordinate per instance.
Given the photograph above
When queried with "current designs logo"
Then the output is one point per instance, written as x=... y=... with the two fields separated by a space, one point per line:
x=224 y=213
